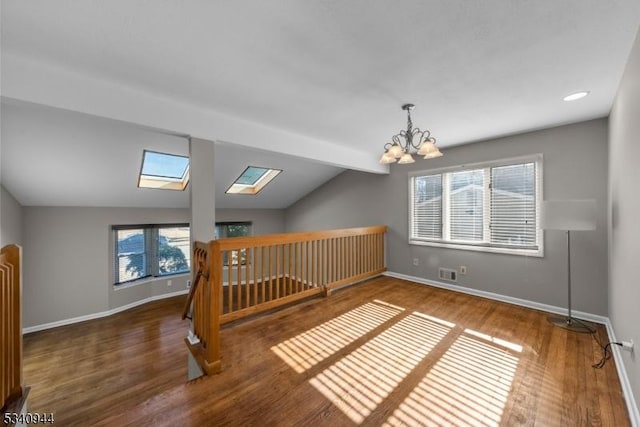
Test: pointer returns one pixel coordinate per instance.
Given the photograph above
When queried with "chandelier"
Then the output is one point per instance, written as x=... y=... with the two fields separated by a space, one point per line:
x=403 y=147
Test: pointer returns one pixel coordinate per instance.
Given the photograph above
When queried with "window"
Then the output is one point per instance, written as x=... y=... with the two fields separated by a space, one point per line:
x=252 y=180
x=233 y=229
x=163 y=171
x=490 y=207
x=151 y=251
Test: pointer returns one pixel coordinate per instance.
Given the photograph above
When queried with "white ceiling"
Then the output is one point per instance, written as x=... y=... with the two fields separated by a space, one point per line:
x=320 y=79
x=52 y=157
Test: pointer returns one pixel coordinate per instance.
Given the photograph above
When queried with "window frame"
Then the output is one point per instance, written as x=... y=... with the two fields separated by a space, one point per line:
x=225 y=261
x=537 y=159
x=253 y=189
x=150 y=233
x=163 y=182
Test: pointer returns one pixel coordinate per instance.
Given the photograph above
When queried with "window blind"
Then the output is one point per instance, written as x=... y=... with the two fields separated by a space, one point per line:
x=466 y=201
x=513 y=205
x=426 y=207
x=494 y=207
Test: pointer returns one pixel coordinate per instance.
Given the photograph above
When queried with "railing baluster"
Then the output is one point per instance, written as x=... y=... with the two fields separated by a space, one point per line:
x=271 y=259
x=278 y=258
x=278 y=269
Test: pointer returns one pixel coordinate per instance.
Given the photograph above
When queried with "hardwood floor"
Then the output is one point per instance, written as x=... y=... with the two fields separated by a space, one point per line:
x=385 y=352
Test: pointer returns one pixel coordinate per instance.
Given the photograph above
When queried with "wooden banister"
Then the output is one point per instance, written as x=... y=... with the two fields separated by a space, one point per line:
x=11 y=388
x=249 y=275
x=194 y=287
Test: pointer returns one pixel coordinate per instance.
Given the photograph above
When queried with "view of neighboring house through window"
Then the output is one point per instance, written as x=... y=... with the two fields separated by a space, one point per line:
x=233 y=229
x=151 y=251
x=492 y=207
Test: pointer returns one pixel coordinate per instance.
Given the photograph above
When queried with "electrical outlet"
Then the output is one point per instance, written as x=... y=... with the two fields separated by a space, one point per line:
x=416 y=261
x=627 y=345
x=463 y=269
x=169 y=282
x=188 y=284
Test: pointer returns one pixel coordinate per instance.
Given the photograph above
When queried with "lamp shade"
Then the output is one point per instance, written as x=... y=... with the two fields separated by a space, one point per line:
x=568 y=215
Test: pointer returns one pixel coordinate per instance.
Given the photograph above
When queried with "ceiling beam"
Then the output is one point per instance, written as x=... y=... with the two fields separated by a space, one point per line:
x=32 y=80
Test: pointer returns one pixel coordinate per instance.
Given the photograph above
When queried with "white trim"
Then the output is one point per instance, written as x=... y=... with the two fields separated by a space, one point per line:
x=145 y=280
x=193 y=339
x=100 y=314
x=503 y=298
x=627 y=391
x=539 y=253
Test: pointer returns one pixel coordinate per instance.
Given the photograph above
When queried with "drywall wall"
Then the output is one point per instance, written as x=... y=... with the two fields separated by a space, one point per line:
x=69 y=257
x=624 y=210
x=575 y=167
x=264 y=221
x=11 y=213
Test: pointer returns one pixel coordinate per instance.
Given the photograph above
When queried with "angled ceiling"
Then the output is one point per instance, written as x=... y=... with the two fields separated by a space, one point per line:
x=52 y=157
x=320 y=80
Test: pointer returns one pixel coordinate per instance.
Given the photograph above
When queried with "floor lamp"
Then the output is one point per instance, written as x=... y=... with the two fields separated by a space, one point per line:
x=568 y=216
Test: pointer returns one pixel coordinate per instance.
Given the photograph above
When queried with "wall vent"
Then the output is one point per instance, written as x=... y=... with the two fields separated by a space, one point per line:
x=448 y=274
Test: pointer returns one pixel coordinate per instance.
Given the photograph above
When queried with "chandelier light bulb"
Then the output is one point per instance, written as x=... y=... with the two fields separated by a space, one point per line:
x=387 y=158
x=396 y=151
x=406 y=159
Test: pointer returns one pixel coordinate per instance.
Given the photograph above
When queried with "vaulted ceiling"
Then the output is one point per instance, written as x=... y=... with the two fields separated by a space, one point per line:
x=321 y=81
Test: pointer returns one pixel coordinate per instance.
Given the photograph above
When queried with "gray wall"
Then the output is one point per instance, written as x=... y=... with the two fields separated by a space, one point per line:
x=624 y=180
x=575 y=166
x=11 y=213
x=69 y=257
x=68 y=253
x=265 y=221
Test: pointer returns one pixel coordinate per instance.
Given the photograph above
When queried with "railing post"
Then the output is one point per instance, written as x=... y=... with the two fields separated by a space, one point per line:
x=11 y=324
x=213 y=364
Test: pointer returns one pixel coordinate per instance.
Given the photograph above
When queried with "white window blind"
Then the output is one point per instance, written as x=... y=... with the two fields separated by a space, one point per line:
x=492 y=206
x=466 y=201
x=513 y=205
x=426 y=207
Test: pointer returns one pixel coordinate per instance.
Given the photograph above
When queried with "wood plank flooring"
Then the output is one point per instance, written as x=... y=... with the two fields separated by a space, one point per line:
x=385 y=352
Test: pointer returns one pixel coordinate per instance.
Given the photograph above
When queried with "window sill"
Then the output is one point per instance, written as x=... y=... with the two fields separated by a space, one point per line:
x=539 y=253
x=145 y=280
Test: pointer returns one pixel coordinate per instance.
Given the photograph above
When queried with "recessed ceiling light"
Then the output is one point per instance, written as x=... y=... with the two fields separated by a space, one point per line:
x=575 y=96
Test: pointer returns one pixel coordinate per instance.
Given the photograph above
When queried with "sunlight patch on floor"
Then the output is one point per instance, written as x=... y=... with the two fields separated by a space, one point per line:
x=360 y=381
x=468 y=386
x=313 y=346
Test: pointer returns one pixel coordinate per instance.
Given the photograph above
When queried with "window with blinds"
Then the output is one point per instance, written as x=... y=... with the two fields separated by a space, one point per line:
x=491 y=207
x=151 y=251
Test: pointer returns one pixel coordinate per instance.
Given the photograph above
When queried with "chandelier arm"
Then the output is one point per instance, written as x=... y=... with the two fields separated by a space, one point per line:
x=416 y=132
x=396 y=139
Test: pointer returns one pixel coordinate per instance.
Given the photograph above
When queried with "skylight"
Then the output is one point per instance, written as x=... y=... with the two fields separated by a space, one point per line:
x=163 y=171
x=252 y=180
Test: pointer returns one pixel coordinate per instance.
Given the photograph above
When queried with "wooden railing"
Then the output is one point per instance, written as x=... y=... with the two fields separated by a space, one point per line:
x=10 y=326
x=249 y=275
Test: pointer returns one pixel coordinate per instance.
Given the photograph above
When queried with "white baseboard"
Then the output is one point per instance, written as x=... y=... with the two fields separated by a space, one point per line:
x=100 y=314
x=627 y=391
x=503 y=298
x=622 y=373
